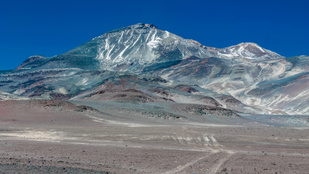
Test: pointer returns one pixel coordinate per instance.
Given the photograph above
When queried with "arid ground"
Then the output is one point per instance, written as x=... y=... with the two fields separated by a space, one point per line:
x=61 y=137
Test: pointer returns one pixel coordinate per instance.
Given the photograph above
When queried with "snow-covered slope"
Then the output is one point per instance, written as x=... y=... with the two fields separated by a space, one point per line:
x=247 y=50
x=164 y=66
x=141 y=47
x=135 y=48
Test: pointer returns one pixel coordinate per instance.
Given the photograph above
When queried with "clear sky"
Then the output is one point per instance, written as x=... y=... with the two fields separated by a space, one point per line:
x=52 y=27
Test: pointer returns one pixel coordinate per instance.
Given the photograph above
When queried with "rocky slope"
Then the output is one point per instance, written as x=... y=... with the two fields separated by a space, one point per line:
x=164 y=67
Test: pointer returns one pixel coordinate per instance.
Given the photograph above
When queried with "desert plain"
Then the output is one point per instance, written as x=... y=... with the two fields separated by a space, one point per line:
x=51 y=136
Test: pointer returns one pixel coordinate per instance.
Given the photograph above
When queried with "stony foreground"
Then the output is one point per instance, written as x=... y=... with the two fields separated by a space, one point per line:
x=71 y=139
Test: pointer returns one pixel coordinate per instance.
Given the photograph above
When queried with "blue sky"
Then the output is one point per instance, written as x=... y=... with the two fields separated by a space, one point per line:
x=48 y=28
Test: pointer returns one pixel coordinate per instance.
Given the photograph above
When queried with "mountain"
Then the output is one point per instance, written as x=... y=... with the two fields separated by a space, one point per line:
x=133 y=48
x=142 y=64
x=249 y=51
x=244 y=50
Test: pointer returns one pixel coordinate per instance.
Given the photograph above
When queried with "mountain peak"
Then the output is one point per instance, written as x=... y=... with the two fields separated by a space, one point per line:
x=31 y=61
x=138 y=26
x=248 y=43
x=251 y=46
x=248 y=50
x=142 y=25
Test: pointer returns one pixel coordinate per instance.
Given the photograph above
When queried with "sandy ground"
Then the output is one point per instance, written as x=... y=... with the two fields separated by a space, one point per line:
x=46 y=138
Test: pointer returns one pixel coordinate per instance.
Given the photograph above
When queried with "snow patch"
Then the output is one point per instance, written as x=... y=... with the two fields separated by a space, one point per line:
x=63 y=91
x=83 y=82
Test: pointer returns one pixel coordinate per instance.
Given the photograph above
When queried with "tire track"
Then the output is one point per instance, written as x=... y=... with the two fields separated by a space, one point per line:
x=206 y=140
x=216 y=167
x=182 y=167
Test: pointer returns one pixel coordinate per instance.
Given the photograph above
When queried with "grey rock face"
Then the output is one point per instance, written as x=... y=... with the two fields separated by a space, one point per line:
x=258 y=79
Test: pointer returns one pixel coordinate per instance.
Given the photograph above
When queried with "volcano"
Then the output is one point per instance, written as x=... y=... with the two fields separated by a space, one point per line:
x=245 y=78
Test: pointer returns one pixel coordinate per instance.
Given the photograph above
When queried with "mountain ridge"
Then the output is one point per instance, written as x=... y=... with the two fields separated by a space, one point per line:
x=257 y=80
x=97 y=53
